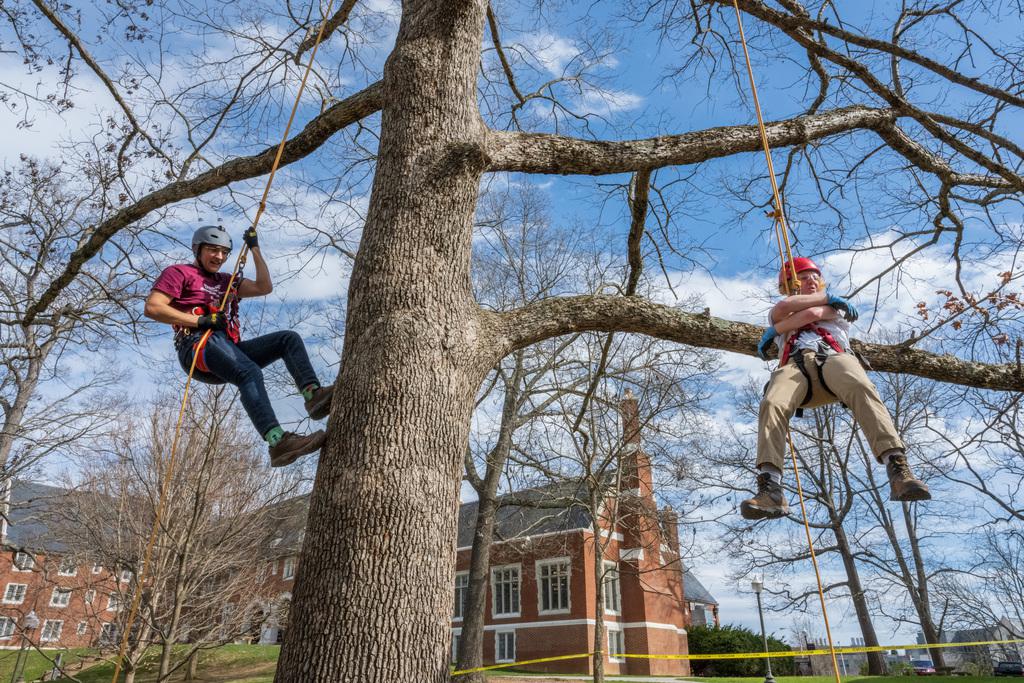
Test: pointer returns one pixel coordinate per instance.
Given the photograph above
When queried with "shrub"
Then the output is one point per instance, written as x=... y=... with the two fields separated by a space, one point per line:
x=733 y=639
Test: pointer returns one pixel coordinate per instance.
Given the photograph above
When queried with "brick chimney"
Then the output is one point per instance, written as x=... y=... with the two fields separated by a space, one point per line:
x=636 y=466
x=670 y=528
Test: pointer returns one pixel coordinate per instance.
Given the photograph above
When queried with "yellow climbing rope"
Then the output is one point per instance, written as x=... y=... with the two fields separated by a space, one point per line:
x=167 y=474
x=789 y=279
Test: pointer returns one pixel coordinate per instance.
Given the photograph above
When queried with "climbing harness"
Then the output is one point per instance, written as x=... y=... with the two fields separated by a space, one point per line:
x=786 y=256
x=239 y=263
x=233 y=331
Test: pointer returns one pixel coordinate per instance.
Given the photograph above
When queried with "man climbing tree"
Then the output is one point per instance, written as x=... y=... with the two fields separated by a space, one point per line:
x=816 y=367
x=188 y=297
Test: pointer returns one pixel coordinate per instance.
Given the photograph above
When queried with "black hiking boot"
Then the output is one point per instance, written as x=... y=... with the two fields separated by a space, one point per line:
x=903 y=485
x=291 y=447
x=319 y=404
x=769 y=503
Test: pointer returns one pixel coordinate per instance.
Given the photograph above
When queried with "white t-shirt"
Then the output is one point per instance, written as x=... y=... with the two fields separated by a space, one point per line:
x=809 y=339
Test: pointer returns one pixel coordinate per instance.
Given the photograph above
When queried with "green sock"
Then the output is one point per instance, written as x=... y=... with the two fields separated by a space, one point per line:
x=274 y=436
x=307 y=393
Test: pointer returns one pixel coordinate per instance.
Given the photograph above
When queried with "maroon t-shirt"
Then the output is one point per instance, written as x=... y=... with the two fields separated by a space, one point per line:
x=189 y=286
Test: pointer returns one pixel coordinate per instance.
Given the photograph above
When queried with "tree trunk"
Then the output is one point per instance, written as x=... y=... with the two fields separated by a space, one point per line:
x=192 y=670
x=471 y=645
x=372 y=599
x=920 y=598
x=876 y=661
x=599 y=636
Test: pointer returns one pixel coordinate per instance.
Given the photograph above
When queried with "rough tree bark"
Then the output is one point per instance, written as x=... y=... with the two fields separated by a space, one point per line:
x=378 y=555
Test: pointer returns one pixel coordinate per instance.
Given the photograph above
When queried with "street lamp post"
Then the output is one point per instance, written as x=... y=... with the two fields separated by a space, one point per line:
x=28 y=624
x=758 y=585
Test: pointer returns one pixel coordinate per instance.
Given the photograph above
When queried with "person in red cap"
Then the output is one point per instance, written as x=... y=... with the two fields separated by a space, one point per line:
x=811 y=329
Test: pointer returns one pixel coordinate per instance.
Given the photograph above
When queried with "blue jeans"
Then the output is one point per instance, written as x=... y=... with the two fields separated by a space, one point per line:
x=241 y=364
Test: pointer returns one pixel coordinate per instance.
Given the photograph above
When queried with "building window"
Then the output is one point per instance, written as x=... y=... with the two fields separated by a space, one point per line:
x=288 y=568
x=108 y=635
x=505 y=588
x=126 y=575
x=616 y=645
x=90 y=596
x=461 y=593
x=6 y=627
x=23 y=562
x=15 y=593
x=273 y=568
x=82 y=627
x=456 y=638
x=505 y=646
x=51 y=630
x=97 y=567
x=612 y=598
x=553 y=585
x=68 y=567
x=60 y=597
x=114 y=602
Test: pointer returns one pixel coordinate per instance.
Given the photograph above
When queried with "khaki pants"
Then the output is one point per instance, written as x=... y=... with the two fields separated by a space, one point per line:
x=844 y=376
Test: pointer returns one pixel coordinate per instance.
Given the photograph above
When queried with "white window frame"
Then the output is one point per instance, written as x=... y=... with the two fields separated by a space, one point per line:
x=498 y=659
x=519 y=591
x=550 y=562
x=11 y=601
x=97 y=567
x=456 y=637
x=108 y=632
x=83 y=626
x=49 y=636
x=113 y=602
x=61 y=571
x=273 y=568
x=125 y=576
x=288 y=569
x=7 y=625
x=90 y=596
x=61 y=597
x=620 y=640
x=460 y=606
x=18 y=567
x=605 y=565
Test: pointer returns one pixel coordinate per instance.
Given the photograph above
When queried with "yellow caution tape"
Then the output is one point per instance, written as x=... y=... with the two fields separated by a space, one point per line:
x=749 y=655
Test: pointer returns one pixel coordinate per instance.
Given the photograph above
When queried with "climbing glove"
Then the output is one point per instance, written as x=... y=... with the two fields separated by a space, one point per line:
x=212 y=321
x=250 y=238
x=848 y=310
x=766 y=341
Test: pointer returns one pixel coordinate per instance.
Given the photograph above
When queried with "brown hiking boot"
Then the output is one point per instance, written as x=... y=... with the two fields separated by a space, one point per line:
x=903 y=485
x=291 y=447
x=769 y=503
x=319 y=404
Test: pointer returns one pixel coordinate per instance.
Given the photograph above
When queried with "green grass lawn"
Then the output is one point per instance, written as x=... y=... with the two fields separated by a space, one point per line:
x=234 y=663
x=36 y=663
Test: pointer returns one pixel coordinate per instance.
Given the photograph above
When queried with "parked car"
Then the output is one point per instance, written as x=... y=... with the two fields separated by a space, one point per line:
x=923 y=667
x=1009 y=669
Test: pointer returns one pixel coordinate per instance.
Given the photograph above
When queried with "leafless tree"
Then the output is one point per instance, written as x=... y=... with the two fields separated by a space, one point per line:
x=211 y=507
x=874 y=121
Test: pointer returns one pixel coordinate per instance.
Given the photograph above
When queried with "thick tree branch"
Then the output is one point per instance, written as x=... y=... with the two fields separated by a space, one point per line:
x=543 y=153
x=598 y=313
x=316 y=132
x=339 y=18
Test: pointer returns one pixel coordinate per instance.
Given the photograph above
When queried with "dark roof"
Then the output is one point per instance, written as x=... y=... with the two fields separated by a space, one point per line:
x=694 y=590
x=514 y=521
x=286 y=525
x=26 y=517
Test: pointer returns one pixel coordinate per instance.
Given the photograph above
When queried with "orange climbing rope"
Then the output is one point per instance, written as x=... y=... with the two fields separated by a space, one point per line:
x=789 y=279
x=239 y=263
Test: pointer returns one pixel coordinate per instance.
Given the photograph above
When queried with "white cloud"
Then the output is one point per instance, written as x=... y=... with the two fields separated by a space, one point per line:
x=553 y=52
x=607 y=102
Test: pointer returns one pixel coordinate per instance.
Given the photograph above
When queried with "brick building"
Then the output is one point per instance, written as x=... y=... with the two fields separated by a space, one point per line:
x=75 y=599
x=543 y=579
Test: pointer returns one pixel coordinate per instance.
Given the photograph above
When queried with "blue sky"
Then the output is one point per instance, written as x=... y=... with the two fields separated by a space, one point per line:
x=630 y=95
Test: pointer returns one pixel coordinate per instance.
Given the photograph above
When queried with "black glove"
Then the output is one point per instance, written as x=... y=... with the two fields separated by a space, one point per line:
x=250 y=238
x=213 y=321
